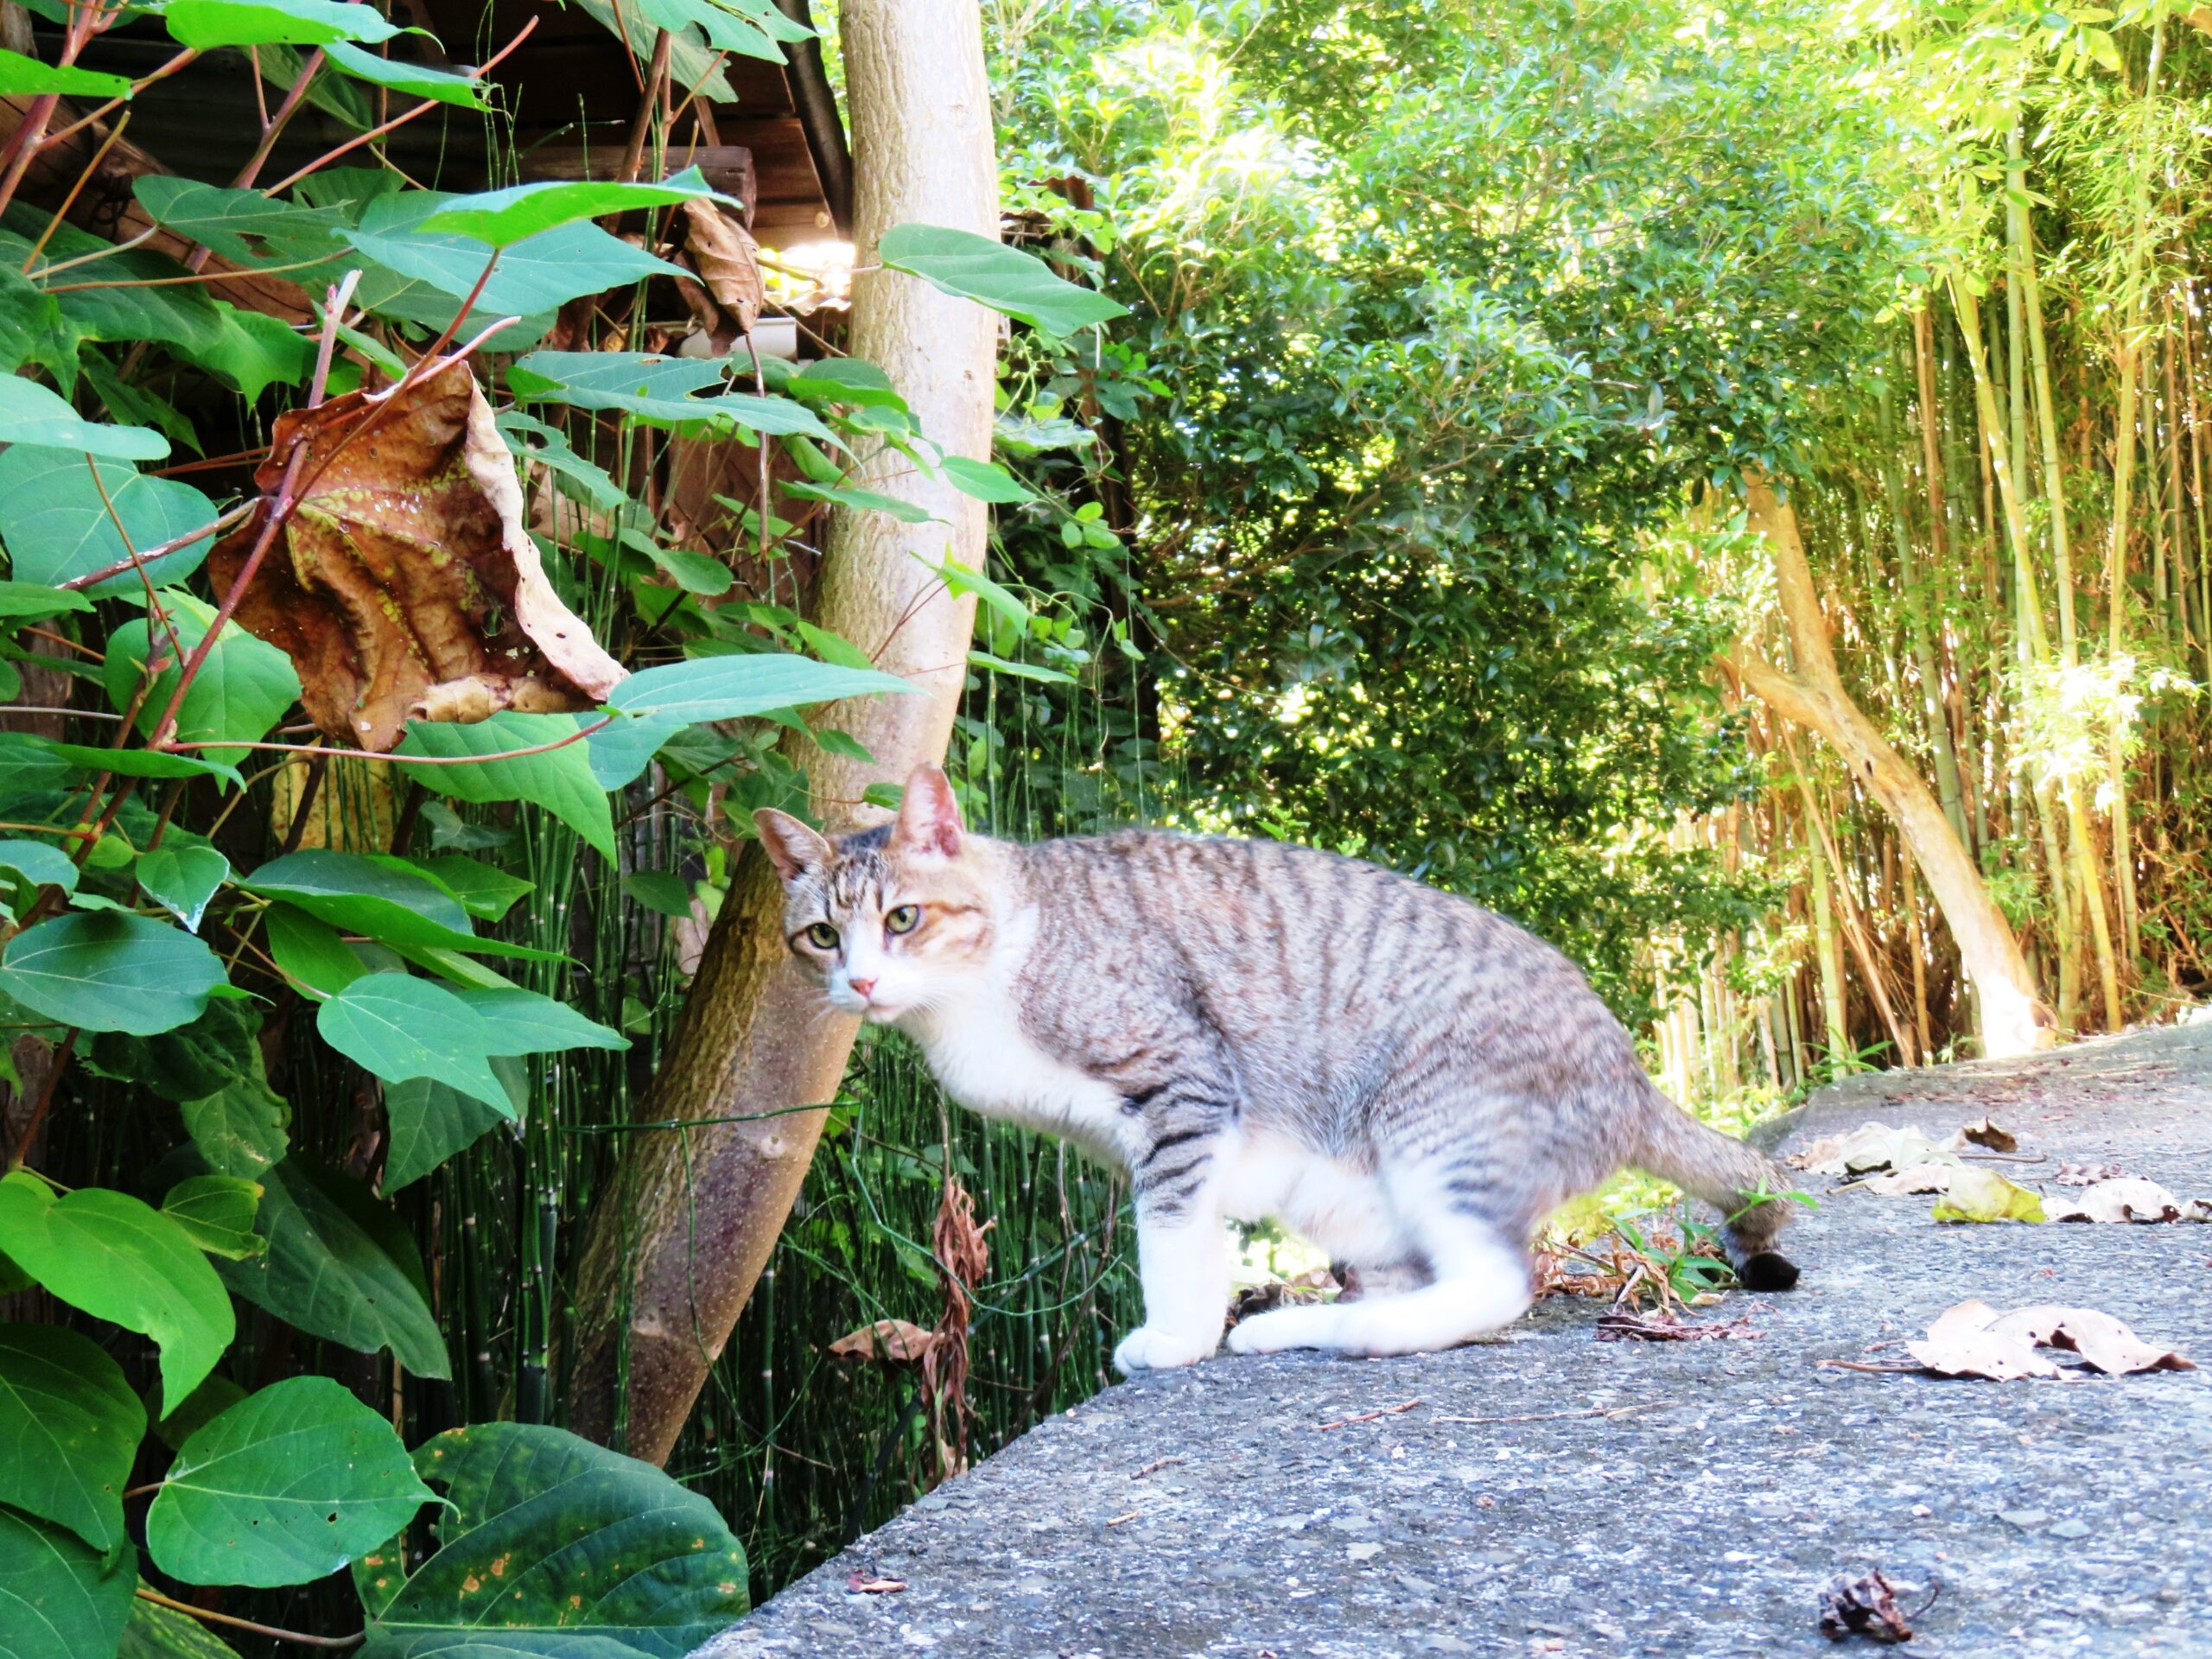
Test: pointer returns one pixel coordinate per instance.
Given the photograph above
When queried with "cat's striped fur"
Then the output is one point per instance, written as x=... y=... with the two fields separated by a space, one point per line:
x=1254 y=1029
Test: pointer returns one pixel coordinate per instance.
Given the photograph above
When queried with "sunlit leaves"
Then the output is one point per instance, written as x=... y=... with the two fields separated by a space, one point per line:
x=208 y=24
x=103 y=971
x=534 y=275
x=502 y=218
x=120 y=1260
x=20 y=75
x=656 y=390
x=285 y=1487
x=558 y=778
x=977 y=268
x=734 y=687
x=410 y=79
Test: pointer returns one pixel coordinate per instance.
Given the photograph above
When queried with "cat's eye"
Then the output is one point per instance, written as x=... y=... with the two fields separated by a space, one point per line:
x=904 y=919
x=823 y=936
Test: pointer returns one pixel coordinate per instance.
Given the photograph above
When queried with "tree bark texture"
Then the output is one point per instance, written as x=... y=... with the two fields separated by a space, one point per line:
x=1813 y=695
x=688 y=1222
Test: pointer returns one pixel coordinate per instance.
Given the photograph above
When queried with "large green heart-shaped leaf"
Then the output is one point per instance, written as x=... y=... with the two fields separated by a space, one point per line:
x=58 y=527
x=31 y=413
x=109 y=972
x=69 y=1427
x=431 y=1122
x=242 y=688
x=185 y=1063
x=537 y=274
x=556 y=1547
x=242 y=225
x=363 y=895
x=122 y=1261
x=977 y=268
x=399 y=1027
x=502 y=218
x=339 y=1266
x=414 y=79
x=741 y=686
x=485 y=891
x=523 y=1022
x=558 y=779
x=285 y=1487
x=60 y=1598
x=182 y=879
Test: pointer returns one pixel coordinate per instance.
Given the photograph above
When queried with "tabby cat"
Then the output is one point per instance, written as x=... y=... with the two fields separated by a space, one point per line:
x=1258 y=1030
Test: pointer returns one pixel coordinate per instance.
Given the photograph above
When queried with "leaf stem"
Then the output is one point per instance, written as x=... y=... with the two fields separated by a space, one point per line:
x=324 y=750
x=237 y=1624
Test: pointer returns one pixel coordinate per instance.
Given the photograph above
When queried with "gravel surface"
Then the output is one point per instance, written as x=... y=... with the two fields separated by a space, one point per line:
x=1553 y=1494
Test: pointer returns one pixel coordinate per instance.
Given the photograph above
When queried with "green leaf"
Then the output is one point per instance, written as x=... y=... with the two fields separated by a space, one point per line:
x=363 y=895
x=339 y=1266
x=111 y=292
x=624 y=747
x=182 y=879
x=159 y=1632
x=399 y=1026
x=255 y=352
x=537 y=274
x=208 y=24
x=523 y=1022
x=286 y=1487
x=560 y=780
x=58 y=526
x=218 y=1211
x=32 y=599
x=310 y=953
x=240 y=1128
x=34 y=331
x=502 y=218
x=601 y=1556
x=120 y=1260
x=656 y=389
x=845 y=380
x=242 y=225
x=40 y=864
x=193 y=1060
x=140 y=763
x=31 y=77
x=243 y=688
x=551 y=449
x=984 y=481
x=1020 y=671
x=110 y=972
x=736 y=687
x=31 y=413
x=414 y=79
x=977 y=268
x=59 y=1599
x=859 y=501
x=69 y=1429
x=662 y=892
x=430 y=1122
x=485 y=891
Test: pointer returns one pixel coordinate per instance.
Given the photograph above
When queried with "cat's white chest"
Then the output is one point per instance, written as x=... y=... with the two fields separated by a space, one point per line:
x=982 y=1059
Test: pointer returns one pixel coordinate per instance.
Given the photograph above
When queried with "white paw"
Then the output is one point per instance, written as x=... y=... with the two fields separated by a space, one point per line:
x=1146 y=1349
x=1286 y=1327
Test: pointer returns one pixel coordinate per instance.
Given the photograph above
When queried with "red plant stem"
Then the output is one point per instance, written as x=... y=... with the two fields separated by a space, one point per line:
x=328 y=753
x=70 y=200
x=237 y=1624
x=94 y=577
x=285 y=110
x=401 y=119
x=45 y=1101
x=183 y=58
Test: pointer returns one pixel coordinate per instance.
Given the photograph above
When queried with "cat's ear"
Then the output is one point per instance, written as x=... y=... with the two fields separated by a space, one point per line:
x=929 y=818
x=794 y=849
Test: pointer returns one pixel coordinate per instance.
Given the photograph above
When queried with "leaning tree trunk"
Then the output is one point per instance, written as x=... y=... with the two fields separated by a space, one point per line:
x=1814 y=696
x=687 y=1225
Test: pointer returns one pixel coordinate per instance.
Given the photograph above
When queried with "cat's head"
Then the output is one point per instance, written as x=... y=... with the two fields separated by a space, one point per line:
x=891 y=919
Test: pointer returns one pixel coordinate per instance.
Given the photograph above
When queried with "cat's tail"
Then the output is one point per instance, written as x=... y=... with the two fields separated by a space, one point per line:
x=1740 y=1181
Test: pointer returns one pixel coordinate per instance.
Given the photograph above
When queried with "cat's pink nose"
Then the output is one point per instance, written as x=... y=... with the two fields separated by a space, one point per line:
x=862 y=986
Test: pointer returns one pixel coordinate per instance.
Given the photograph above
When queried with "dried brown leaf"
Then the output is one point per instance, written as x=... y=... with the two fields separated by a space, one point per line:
x=1864 y=1606
x=405 y=586
x=2126 y=1199
x=1962 y=1343
x=893 y=1339
x=728 y=260
x=1622 y=1326
x=864 y=1584
x=2086 y=1174
x=1987 y=1134
x=2103 y=1342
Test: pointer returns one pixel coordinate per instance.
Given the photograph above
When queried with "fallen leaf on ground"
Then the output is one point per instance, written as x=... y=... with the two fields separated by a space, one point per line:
x=405 y=586
x=893 y=1339
x=2086 y=1174
x=2104 y=1343
x=1870 y=1147
x=1933 y=1176
x=1987 y=1134
x=1864 y=1606
x=1622 y=1326
x=2122 y=1200
x=1961 y=1342
x=862 y=1585
x=1978 y=1195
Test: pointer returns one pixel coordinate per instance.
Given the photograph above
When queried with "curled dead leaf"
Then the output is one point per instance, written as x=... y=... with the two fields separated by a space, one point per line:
x=1864 y=1606
x=404 y=585
x=727 y=259
x=1962 y=1343
x=2123 y=1200
x=1987 y=1134
x=866 y=1584
x=1976 y=1194
x=896 y=1340
x=2104 y=1343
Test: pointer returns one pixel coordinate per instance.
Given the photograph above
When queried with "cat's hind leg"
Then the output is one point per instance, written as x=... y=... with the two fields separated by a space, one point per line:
x=1479 y=1284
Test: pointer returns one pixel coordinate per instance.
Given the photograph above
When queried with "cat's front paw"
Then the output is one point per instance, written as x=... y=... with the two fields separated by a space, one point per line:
x=1147 y=1349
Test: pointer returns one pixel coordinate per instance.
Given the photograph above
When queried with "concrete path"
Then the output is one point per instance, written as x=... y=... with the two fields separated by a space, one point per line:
x=1555 y=1493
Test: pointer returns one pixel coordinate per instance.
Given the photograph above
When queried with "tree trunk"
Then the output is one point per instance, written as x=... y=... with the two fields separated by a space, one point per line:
x=1813 y=695
x=684 y=1232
